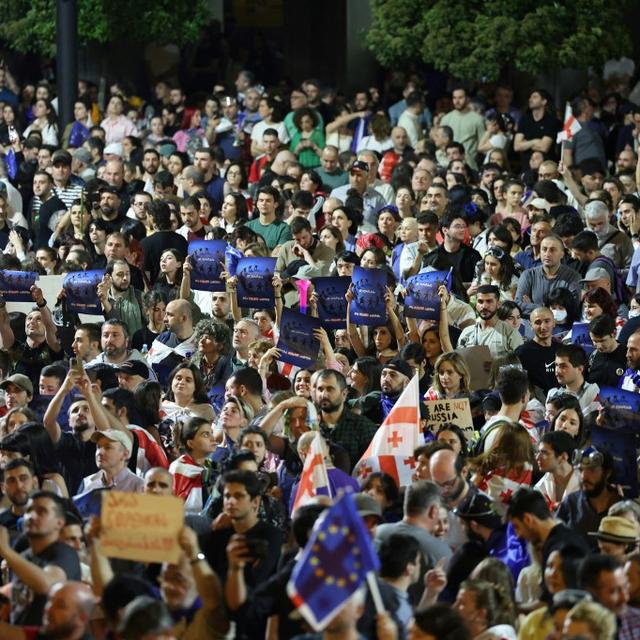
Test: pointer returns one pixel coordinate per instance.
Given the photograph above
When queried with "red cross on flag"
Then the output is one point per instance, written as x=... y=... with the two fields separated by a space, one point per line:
x=391 y=448
x=314 y=474
x=570 y=127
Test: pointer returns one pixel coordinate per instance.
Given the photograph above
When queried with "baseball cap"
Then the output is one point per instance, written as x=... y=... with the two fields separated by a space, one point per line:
x=367 y=506
x=20 y=380
x=83 y=155
x=115 y=436
x=108 y=188
x=540 y=203
x=399 y=365
x=597 y=273
x=359 y=165
x=113 y=149
x=133 y=368
x=479 y=507
x=61 y=157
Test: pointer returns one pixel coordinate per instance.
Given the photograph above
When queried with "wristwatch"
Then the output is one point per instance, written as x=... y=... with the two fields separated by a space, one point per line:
x=199 y=558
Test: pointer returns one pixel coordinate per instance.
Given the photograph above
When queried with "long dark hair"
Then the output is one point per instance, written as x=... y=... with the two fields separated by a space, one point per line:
x=31 y=439
x=200 y=392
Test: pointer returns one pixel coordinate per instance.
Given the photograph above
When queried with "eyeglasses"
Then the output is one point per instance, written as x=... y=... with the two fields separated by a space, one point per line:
x=447 y=484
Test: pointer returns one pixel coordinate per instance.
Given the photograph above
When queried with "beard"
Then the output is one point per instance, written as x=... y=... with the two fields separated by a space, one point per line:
x=328 y=406
x=119 y=288
x=108 y=212
x=597 y=489
x=487 y=315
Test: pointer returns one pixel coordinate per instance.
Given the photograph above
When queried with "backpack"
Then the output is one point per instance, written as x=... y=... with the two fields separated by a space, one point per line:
x=478 y=448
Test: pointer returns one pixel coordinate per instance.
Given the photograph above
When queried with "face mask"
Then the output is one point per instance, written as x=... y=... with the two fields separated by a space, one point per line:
x=559 y=315
x=634 y=313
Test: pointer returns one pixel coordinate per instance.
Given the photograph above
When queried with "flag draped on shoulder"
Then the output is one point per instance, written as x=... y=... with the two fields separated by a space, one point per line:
x=333 y=565
x=391 y=449
x=314 y=474
x=570 y=127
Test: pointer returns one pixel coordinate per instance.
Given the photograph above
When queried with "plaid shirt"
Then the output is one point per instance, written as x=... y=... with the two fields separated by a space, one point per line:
x=629 y=624
x=352 y=432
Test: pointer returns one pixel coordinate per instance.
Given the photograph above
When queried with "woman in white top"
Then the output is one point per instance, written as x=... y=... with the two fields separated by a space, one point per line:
x=379 y=139
x=45 y=123
x=187 y=395
x=269 y=111
x=495 y=135
x=497 y=270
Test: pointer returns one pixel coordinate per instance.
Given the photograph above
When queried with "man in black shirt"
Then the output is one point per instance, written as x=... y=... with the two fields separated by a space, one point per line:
x=531 y=518
x=609 y=360
x=46 y=561
x=41 y=346
x=538 y=356
x=453 y=253
x=538 y=128
x=163 y=238
x=110 y=208
x=18 y=484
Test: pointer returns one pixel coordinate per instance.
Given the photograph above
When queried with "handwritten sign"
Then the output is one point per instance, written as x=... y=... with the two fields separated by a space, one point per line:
x=456 y=411
x=137 y=526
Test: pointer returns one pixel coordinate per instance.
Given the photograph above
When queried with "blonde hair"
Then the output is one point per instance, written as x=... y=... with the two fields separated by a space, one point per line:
x=601 y=622
x=459 y=364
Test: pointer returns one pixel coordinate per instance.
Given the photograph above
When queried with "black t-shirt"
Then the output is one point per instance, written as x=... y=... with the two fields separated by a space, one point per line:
x=540 y=363
x=143 y=336
x=26 y=606
x=214 y=547
x=548 y=126
x=605 y=369
x=155 y=244
x=31 y=360
x=115 y=224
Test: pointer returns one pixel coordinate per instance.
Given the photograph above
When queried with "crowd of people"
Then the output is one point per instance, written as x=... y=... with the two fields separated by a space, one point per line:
x=517 y=528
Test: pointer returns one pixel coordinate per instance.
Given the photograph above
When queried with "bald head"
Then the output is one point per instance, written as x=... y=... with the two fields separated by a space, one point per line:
x=69 y=608
x=282 y=161
x=442 y=465
x=179 y=319
x=158 y=481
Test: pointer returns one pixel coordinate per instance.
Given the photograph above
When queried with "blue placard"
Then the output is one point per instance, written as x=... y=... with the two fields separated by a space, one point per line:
x=231 y=257
x=580 y=336
x=15 y=286
x=81 y=292
x=422 y=299
x=207 y=260
x=216 y=396
x=621 y=408
x=297 y=344
x=621 y=444
x=332 y=304
x=255 y=283
x=369 y=287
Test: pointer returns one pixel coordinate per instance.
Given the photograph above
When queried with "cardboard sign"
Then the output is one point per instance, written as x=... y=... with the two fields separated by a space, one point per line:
x=142 y=527
x=456 y=411
x=479 y=361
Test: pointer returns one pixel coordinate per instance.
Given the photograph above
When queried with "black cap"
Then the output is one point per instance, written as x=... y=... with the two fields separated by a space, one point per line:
x=61 y=157
x=399 y=365
x=109 y=189
x=133 y=368
x=359 y=165
x=480 y=508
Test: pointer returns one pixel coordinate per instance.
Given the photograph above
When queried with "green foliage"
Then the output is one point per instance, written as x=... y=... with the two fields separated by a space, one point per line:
x=29 y=25
x=474 y=38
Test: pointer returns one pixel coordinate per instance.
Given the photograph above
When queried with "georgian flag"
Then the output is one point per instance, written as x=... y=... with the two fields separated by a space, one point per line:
x=314 y=474
x=391 y=448
x=570 y=127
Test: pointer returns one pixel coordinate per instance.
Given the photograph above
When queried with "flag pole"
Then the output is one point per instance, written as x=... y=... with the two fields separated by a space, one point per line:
x=375 y=592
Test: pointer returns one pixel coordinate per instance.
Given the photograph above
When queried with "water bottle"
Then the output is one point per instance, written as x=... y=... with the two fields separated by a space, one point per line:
x=145 y=352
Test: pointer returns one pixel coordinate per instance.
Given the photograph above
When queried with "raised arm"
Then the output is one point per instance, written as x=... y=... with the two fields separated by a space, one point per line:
x=50 y=329
x=389 y=300
x=445 y=338
x=185 y=285
x=6 y=332
x=232 y=290
x=38 y=579
x=352 y=329
x=50 y=419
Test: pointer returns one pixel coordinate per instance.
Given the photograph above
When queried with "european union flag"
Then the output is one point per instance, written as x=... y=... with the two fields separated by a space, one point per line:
x=89 y=503
x=12 y=164
x=334 y=564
